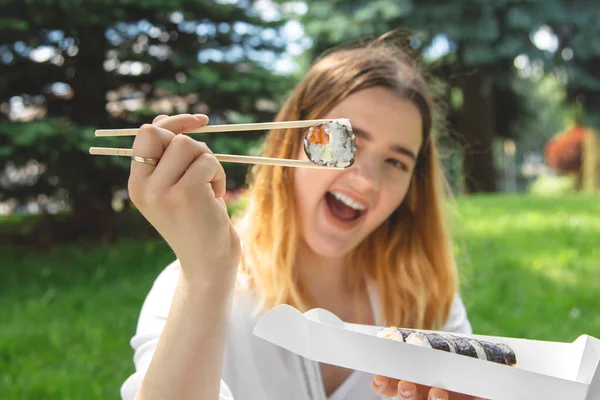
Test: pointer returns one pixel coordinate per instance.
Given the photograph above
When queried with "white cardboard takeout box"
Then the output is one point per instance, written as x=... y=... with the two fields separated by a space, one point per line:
x=545 y=370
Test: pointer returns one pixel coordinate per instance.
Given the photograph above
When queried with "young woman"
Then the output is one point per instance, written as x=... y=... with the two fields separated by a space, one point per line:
x=369 y=243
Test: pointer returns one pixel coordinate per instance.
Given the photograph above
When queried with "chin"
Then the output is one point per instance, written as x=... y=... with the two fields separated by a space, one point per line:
x=331 y=249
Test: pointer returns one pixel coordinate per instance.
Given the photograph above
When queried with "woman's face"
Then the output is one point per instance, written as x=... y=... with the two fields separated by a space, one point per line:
x=339 y=208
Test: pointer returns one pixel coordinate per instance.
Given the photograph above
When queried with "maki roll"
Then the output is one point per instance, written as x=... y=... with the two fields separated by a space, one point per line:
x=465 y=348
x=331 y=144
x=509 y=356
x=393 y=333
x=495 y=352
x=436 y=341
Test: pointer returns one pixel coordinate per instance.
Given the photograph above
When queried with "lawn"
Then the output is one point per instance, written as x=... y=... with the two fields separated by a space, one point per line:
x=530 y=267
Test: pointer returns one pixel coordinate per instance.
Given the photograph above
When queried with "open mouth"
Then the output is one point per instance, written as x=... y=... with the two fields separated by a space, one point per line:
x=344 y=208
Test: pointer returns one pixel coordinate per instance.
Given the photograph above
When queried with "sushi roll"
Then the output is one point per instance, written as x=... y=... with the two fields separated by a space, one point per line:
x=393 y=333
x=432 y=340
x=332 y=144
x=479 y=350
x=420 y=339
x=441 y=342
x=509 y=355
x=463 y=347
x=494 y=352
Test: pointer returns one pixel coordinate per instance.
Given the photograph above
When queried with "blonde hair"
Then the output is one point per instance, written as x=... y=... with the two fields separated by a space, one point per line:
x=409 y=256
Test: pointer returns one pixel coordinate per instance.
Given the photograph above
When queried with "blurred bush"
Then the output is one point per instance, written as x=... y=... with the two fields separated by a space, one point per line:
x=552 y=185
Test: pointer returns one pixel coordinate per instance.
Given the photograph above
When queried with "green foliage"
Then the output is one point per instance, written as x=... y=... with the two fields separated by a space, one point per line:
x=80 y=66
x=483 y=32
x=544 y=113
x=236 y=207
x=484 y=37
x=351 y=20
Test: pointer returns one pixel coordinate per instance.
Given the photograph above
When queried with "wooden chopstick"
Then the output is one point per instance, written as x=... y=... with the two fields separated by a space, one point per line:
x=225 y=128
x=107 y=151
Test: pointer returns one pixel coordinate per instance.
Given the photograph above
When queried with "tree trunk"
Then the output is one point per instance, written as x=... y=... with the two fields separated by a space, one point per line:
x=88 y=108
x=89 y=82
x=590 y=170
x=90 y=188
x=476 y=129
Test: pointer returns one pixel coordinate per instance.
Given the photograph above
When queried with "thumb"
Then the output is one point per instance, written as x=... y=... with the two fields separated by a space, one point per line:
x=222 y=202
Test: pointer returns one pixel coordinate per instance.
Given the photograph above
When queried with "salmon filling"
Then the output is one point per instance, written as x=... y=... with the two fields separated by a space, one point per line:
x=319 y=136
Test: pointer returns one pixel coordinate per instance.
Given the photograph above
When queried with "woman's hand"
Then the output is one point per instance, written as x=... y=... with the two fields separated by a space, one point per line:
x=388 y=387
x=182 y=196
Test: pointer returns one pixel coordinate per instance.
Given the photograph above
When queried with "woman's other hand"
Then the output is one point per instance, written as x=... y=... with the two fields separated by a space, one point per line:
x=182 y=196
x=388 y=387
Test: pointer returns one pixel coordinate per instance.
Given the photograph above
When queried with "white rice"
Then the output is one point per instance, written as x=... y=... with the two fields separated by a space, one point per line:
x=478 y=349
x=450 y=343
x=340 y=150
x=418 y=339
x=391 y=333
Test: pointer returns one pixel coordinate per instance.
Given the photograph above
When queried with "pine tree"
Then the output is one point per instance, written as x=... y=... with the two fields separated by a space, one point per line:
x=76 y=66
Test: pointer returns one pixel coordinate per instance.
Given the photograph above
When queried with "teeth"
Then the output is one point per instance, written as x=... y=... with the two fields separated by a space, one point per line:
x=348 y=201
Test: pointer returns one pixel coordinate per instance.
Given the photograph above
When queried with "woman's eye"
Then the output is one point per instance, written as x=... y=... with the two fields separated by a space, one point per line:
x=397 y=164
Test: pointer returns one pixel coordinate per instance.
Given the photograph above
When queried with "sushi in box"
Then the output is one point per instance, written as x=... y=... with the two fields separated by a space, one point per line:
x=490 y=367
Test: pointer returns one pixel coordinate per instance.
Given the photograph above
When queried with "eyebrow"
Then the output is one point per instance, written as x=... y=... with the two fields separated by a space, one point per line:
x=397 y=148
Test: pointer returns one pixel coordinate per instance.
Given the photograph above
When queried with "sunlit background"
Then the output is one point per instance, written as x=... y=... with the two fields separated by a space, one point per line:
x=517 y=81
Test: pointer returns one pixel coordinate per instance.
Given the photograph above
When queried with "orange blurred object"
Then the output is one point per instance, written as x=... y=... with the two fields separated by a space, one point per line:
x=564 y=151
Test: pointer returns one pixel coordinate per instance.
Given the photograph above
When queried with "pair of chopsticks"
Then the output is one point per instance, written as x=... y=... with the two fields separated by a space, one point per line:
x=107 y=151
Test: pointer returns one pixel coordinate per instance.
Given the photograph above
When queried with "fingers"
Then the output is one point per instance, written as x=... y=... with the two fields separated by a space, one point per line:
x=205 y=169
x=437 y=394
x=153 y=140
x=384 y=386
x=182 y=122
x=407 y=390
x=150 y=142
x=387 y=387
x=159 y=117
x=181 y=152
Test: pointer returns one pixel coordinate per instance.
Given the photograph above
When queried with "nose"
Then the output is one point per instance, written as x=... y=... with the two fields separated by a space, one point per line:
x=367 y=172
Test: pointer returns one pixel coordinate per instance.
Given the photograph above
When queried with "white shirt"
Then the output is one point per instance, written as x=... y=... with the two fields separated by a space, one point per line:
x=255 y=369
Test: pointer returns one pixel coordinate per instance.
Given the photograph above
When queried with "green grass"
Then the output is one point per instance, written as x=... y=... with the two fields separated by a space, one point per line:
x=530 y=267
x=67 y=316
